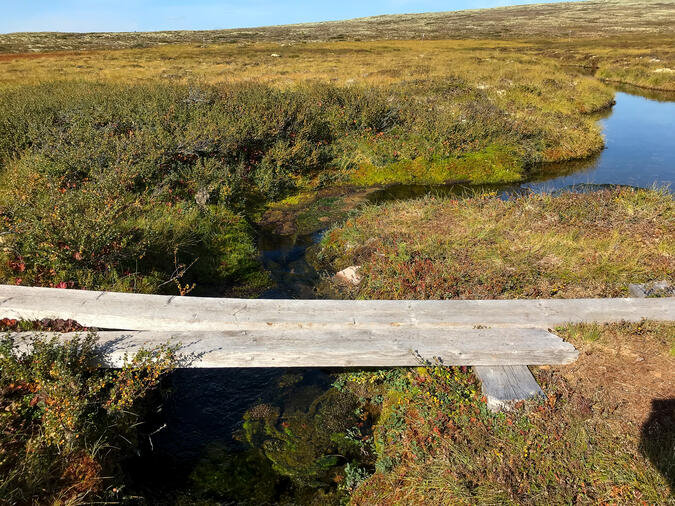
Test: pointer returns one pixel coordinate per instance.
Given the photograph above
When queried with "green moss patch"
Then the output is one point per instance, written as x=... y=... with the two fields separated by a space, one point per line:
x=495 y=164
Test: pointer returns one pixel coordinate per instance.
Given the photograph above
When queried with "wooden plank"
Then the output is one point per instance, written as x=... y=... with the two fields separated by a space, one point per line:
x=505 y=385
x=156 y=312
x=398 y=346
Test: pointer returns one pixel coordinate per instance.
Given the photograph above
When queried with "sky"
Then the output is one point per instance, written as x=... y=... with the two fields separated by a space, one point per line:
x=150 y=15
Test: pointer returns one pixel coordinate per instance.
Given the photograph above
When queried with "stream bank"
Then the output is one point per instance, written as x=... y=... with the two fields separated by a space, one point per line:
x=208 y=407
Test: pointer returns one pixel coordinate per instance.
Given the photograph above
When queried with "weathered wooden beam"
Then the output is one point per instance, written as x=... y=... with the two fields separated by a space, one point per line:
x=156 y=312
x=503 y=386
x=397 y=346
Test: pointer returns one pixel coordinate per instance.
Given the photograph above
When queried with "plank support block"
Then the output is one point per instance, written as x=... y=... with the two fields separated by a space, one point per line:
x=503 y=386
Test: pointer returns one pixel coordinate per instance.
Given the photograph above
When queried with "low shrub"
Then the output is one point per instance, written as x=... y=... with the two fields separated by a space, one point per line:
x=66 y=426
x=111 y=186
x=437 y=443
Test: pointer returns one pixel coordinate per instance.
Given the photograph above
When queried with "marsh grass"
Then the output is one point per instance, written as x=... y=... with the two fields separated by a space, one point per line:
x=571 y=245
x=564 y=22
x=618 y=40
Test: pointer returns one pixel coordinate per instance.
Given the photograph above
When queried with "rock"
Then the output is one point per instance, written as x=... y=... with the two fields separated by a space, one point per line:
x=636 y=290
x=275 y=55
x=350 y=275
x=654 y=289
x=202 y=197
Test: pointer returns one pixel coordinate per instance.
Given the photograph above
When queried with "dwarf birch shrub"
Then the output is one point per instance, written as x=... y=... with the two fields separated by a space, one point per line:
x=65 y=425
x=112 y=186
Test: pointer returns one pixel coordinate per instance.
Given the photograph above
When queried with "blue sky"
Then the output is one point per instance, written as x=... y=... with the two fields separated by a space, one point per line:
x=146 y=15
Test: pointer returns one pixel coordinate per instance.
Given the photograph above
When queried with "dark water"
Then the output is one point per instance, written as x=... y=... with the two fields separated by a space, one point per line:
x=284 y=257
x=207 y=405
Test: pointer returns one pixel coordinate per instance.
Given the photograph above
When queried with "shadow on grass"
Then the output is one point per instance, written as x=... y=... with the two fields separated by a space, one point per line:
x=657 y=441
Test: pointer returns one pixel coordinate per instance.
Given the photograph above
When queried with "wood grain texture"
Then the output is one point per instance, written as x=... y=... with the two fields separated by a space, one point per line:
x=166 y=313
x=398 y=346
x=505 y=385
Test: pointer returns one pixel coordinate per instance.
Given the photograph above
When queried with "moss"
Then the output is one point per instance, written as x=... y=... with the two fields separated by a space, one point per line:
x=308 y=443
x=494 y=164
x=319 y=214
x=245 y=477
x=294 y=200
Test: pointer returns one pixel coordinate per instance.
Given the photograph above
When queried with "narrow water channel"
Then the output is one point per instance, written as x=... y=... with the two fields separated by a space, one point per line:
x=206 y=406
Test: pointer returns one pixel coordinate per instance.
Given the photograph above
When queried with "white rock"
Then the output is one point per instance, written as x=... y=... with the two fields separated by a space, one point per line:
x=350 y=275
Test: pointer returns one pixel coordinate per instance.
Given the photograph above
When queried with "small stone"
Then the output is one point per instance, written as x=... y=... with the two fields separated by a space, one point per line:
x=636 y=290
x=275 y=55
x=202 y=197
x=661 y=285
x=350 y=275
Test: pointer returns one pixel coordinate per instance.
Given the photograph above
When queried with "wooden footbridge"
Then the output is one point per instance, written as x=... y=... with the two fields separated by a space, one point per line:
x=500 y=338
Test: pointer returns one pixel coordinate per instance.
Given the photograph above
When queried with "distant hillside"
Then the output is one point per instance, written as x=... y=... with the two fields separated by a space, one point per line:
x=594 y=18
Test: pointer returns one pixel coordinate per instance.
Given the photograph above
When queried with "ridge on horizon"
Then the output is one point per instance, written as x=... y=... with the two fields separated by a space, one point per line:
x=549 y=20
x=371 y=18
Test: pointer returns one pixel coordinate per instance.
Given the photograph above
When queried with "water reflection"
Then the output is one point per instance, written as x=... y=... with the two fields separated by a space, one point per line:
x=284 y=257
x=639 y=148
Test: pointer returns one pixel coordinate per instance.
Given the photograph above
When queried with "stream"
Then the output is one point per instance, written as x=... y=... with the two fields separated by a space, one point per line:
x=207 y=405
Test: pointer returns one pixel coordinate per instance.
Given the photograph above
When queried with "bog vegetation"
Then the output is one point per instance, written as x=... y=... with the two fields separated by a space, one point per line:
x=147 y=168
x=590 y=441
x=145 y=187
x=424 y=435
x=572 y=245
x=605 y=432
x=131 y=165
